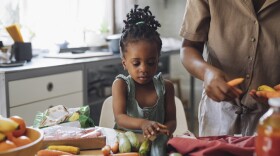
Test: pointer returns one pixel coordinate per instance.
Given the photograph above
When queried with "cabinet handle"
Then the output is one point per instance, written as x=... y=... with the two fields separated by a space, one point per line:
x=50 y=86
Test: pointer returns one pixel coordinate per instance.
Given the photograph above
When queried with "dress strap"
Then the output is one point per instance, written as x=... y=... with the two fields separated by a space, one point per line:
x=126 y=80
x=130 y=85
x=159 y=84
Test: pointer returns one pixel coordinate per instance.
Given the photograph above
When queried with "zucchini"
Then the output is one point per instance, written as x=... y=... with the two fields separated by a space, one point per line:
x=124 y=144
x=159 y=145
x=145 y=148
x=135 y=144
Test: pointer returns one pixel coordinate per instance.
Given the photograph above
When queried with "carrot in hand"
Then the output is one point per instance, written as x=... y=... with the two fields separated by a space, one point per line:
x=268 y=94
x=235 y=82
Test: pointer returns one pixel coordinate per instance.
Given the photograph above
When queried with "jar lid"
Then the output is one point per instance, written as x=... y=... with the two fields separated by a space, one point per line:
x=274 y=102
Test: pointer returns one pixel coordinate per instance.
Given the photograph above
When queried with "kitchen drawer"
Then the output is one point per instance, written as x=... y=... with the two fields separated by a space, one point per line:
x=41 y=88
x=29 y=111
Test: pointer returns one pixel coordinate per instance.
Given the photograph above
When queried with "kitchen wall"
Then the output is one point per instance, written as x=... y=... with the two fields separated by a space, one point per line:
x=168 y=12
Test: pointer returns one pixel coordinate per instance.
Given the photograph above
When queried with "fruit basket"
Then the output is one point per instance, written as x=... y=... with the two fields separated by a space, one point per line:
x=36 y=136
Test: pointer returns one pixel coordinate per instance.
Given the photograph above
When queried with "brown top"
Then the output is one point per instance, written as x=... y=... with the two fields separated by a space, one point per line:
x=240 y=42
x=258 y=4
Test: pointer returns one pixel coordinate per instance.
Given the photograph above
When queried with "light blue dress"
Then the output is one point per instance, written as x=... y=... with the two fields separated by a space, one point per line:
x=154 y=113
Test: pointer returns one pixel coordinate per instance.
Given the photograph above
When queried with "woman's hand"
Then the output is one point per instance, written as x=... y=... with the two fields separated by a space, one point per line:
x=216 y=87
x=152 y=128
x=259 y=98
x=263 y=96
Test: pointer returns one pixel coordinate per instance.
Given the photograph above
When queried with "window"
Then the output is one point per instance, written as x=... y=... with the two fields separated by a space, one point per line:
x=47 y=22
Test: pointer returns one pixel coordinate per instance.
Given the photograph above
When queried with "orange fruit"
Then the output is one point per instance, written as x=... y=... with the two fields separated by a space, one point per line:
x=22 y=126
x=22 y=140
x=6 y=145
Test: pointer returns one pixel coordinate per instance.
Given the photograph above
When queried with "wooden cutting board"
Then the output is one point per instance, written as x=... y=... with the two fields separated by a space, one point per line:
x=83 y=143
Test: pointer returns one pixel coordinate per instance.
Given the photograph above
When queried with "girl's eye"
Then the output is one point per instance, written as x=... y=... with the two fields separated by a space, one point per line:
x=135 y=64
x=152 y=63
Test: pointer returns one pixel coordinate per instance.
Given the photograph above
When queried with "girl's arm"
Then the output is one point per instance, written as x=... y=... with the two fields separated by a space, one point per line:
x=170 y=108
x=119 y=92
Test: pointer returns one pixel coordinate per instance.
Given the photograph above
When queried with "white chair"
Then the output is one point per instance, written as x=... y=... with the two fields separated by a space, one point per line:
x=182 y=125
x=107 y=116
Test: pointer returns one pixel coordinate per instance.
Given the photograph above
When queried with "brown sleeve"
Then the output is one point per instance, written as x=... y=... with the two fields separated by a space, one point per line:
x=196 y=21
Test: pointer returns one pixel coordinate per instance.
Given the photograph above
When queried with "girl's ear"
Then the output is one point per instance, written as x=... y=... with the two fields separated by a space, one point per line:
x=123 y=63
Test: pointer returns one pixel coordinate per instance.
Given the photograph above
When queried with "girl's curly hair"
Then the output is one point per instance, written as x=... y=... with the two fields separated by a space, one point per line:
x=140 y=25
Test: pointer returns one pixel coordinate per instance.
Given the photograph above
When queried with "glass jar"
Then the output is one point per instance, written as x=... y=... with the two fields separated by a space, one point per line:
x=268 y=138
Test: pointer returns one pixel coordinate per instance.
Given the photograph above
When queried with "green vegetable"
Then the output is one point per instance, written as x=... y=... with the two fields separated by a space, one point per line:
x=145 y=148
x=135 y=144
x=124 y=144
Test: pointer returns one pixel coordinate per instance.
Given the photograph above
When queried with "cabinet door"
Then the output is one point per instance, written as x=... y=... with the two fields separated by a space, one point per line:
x=29 y=111
x=30 y=90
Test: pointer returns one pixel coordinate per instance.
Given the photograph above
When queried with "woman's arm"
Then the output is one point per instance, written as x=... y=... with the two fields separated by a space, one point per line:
x=214 y=79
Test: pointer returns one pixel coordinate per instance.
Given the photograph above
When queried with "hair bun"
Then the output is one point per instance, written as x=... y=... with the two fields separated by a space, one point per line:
x=139 y=17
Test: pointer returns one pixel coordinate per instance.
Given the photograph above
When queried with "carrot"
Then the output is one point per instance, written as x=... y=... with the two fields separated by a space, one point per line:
x=235 y=82
x=47 y=152
x=126 y=154
x=268 y=94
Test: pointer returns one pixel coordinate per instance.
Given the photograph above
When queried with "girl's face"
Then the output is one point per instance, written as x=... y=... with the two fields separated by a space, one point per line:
x=141 y=61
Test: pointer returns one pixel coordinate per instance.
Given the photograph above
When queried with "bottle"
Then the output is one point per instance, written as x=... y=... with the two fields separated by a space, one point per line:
x=268 y=131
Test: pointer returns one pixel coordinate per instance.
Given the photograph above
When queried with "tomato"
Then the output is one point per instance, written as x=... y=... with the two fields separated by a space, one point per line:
x=106 y=150
x=22 y=126
x=6 y=145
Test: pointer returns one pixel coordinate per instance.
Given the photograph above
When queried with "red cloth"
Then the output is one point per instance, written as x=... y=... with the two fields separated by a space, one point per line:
x=213 y=146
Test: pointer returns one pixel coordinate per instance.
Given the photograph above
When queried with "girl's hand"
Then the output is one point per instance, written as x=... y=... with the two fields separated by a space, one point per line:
x=152 y=128
x=216 y=86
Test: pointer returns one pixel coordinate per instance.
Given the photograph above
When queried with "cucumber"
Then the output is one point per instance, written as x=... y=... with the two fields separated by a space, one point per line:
x=124 y=144
x=135 y=144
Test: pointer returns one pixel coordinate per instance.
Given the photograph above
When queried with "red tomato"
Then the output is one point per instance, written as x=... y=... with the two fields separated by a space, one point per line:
x=22 y=126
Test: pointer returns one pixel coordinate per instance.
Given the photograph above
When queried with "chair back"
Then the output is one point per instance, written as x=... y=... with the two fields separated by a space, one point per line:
x=182 y=125
x=107 y=118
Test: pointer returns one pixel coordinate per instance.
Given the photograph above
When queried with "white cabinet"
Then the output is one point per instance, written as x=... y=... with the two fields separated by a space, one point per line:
x=28 y=96
x=29 y=111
